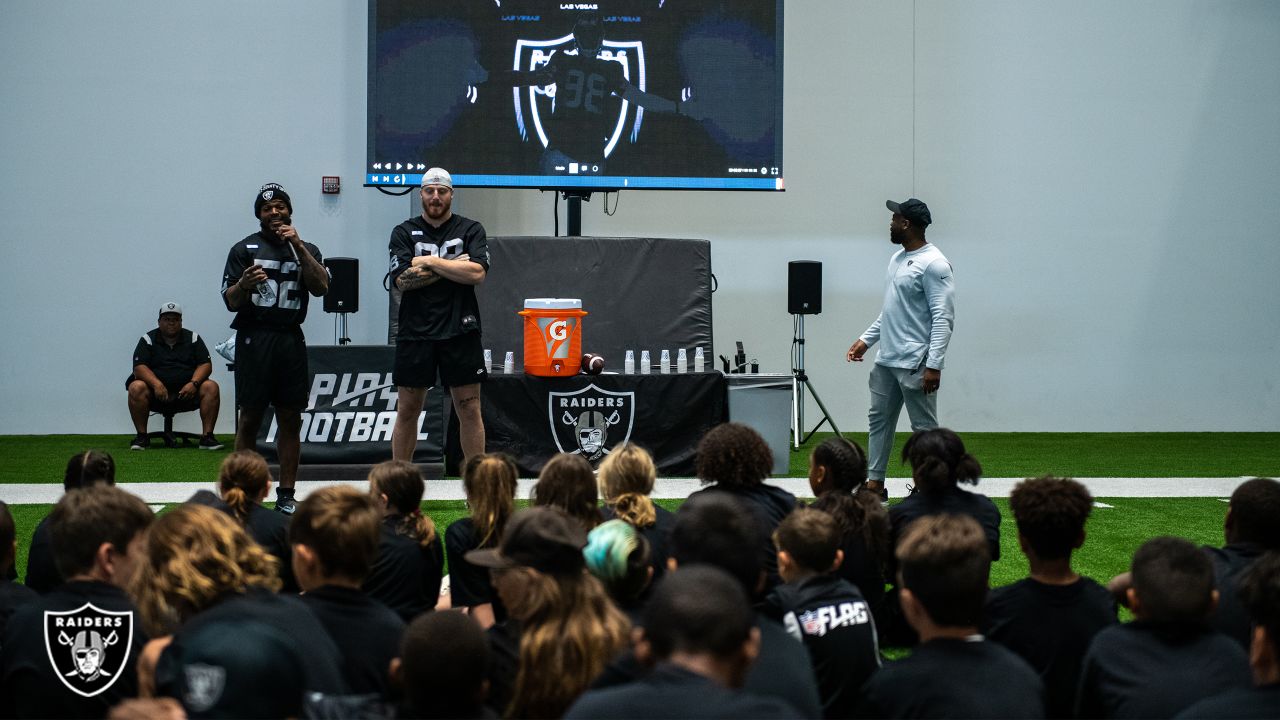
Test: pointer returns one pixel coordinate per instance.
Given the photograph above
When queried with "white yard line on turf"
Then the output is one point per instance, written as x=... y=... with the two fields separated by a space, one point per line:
x=36 y=494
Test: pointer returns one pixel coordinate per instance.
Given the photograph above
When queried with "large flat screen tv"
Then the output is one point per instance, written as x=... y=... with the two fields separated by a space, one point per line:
x=615 y=94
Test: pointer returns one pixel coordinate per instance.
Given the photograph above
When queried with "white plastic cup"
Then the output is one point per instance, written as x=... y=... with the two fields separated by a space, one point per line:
x=488 y=360
x=509 y=363
x=699 y=360
x=644 y=362
x=664 y=364
x=682 y=362
x=629 y=365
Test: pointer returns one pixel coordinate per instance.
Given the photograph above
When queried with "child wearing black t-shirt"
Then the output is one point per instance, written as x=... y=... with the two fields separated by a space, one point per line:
x=407 y=572
x=824 y=611
x=1168 y=657
x=943 y=570
x=1260 y=594
x=1049 y=618
x=489 y=482
x=335 y=534
x=12 y=594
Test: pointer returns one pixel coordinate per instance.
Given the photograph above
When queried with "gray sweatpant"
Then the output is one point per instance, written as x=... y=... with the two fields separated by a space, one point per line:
x=891 y=388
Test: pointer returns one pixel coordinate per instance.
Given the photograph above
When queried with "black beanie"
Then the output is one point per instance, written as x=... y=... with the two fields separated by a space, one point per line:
x=270 y=191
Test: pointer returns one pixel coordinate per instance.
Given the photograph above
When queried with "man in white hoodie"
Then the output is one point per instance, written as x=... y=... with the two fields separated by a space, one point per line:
x=913 y=329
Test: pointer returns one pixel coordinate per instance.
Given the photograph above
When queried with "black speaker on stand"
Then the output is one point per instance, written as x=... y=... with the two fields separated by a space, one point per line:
x=344 y=293
x=804 y=297
x=804 y=287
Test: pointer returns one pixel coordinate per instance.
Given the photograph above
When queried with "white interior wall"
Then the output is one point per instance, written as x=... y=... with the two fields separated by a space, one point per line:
x=1102 y=176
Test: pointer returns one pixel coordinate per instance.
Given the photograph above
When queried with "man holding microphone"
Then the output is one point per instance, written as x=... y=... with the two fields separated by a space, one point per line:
x=267 y=282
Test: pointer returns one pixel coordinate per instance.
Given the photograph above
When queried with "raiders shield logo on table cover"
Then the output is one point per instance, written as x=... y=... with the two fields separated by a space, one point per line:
x=591 y=422
x=88 y=647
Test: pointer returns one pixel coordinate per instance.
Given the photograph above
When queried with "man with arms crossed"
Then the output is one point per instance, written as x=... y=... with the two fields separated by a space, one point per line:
x=914 y=329
x=437 y=259
x=266 y=283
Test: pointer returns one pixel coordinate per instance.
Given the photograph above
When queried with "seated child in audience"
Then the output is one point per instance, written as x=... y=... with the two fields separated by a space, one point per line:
x=568 y=482
x=734 y=460
x=98 y=536
x=1168 y=657
x=409 y=568
x=489 y=482
x=1050 y=617
x=441 y=668
x=837 y=477
x=201 y=568
x=699 y=631
x=244 y=480
x=1260 y=593
x=618 y=555
x=716 y=528
x=939 y=464
x=1252 y=527
x=943 y=570
x=824 y=611
x=563 y=624
x=84 y=469
x=335 y=534
x=12 y=594
x=626 y=477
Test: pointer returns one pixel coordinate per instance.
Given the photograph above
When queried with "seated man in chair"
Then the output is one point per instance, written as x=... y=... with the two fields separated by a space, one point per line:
x=171 y=369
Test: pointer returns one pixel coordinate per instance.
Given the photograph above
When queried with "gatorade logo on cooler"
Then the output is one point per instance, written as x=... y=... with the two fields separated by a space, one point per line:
x=556 y=333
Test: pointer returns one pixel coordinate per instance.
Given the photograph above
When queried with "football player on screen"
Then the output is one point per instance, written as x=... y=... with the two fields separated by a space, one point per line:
x=587 y=85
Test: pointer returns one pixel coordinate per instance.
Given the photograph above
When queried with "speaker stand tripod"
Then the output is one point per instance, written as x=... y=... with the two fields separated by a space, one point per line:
x=340 y=328
x=799 y=384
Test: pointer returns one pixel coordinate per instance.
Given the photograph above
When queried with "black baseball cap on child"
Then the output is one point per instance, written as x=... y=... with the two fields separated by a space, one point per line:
x=543 y=538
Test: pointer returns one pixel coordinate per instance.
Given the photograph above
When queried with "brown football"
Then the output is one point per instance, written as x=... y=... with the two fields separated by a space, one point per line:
x=592 y=364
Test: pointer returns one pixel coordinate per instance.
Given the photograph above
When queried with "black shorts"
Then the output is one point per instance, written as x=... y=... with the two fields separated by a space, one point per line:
x=456 y=361
x=174 y=405
x=271 y=369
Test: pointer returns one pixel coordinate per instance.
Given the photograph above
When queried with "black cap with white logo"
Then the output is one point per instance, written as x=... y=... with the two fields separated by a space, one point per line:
x=912 y=209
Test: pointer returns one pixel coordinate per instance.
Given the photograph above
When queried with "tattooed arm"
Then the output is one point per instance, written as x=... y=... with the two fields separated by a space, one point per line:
x=414 y=277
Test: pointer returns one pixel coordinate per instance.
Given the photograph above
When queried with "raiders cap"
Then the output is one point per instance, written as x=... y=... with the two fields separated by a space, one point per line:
x=543 y=538
x=912 y=209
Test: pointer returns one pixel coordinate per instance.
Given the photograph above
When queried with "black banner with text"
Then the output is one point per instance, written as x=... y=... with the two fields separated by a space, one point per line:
x=351 y=410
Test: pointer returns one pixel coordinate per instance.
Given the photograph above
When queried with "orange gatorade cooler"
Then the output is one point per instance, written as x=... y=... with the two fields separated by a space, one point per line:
x=552 y=336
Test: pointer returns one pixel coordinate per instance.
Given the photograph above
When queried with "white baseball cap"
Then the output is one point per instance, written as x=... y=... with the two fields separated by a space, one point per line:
x=171 y=307
x=437 y=176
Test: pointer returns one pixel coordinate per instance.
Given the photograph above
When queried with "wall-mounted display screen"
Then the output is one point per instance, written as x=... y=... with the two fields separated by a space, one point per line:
x=617 y=94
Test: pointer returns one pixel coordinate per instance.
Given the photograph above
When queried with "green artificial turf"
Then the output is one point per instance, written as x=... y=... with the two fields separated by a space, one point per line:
x=42 y=458
x=1146 y=455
